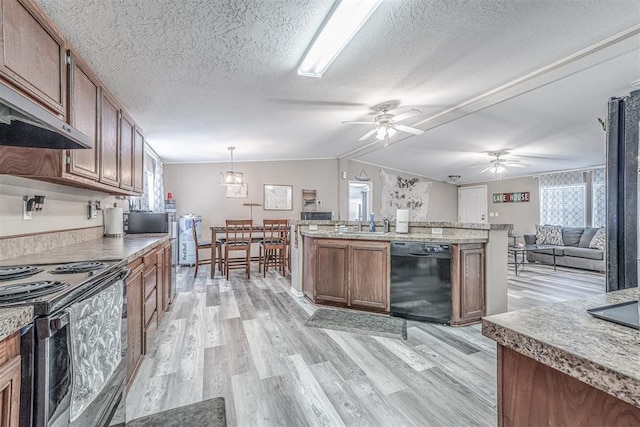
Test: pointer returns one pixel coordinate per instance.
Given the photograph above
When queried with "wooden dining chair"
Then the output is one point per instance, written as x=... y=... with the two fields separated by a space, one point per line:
x=273 y=247
x=238 y=239
x=199 y=245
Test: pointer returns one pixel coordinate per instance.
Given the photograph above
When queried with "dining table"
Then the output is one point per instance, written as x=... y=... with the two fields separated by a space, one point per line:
x=221 y=229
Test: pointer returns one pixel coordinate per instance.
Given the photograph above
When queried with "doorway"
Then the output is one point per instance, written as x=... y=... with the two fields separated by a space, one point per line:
x=472 y=204
x=360 y=200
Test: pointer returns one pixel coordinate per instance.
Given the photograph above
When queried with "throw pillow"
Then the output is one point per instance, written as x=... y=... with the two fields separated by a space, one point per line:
x=598 y=240
x=549 y=235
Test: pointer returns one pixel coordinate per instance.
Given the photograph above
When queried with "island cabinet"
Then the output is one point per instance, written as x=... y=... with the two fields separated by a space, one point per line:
x=33 y=59
x=347 y=273
x=467 y=283
x=531 y=393
x=10 y=380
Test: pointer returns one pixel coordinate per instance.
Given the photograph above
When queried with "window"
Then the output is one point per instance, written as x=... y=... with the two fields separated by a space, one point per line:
x=359 y=200
x=563 y=199
x=152 y=197
x=573 y=199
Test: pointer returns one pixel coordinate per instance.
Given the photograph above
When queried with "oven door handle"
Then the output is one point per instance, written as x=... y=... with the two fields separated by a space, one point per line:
x=59 y=322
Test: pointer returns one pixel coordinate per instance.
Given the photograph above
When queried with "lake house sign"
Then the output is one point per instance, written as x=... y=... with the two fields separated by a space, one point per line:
x=517 y=197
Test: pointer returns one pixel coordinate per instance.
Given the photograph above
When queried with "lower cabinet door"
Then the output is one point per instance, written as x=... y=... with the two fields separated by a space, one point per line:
x=134 y=320
x=10 y=393
x=369 y=275
x=467 y=283
x=332 y=272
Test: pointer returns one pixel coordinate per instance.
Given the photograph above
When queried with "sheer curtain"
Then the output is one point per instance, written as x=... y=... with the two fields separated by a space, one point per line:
x=563 y=199
x=153 y=195
x=599 y=198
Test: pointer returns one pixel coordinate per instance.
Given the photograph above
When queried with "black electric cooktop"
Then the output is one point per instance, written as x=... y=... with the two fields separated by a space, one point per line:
x=625 y=313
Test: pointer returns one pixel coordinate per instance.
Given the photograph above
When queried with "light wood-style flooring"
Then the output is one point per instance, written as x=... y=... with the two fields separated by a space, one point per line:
x=245 y=340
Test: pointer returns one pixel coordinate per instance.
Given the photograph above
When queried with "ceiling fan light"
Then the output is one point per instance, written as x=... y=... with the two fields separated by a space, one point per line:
x=381 y=133
x=345 y=21
x=391 y=132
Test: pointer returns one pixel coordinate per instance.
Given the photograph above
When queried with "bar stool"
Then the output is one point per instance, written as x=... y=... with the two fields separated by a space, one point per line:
x=273 y=247
x=238 y=238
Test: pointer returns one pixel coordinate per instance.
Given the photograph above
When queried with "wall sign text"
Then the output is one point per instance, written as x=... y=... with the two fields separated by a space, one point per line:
x=517 y=197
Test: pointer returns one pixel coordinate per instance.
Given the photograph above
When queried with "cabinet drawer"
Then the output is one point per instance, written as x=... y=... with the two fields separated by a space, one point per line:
x=150 y=307
x=150 y=332
x=149 y=259
x=150 y=280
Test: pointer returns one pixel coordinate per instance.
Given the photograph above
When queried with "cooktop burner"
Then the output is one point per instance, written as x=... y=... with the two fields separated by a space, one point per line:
x=18 y=272
x=79 y=267
x=25 y=291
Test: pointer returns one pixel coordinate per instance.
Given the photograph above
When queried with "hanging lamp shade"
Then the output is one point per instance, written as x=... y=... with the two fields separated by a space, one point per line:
x=231 y=177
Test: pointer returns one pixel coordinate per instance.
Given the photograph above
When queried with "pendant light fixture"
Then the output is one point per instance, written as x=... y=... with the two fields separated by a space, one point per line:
x=231 y=177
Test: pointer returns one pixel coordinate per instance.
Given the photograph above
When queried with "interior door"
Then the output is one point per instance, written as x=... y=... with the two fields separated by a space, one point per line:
x=472 y=204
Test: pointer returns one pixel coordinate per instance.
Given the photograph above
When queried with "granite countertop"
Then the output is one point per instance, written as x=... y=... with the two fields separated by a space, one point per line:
x=387 y=237
x=14 y=318
x=422 y=224
x=565 y=337
x=129 y=247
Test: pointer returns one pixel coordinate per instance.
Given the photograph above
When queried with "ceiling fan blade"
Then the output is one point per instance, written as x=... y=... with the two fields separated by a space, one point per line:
x=359 y=123
x=487 y=169
x=515 y=165
x=408 y=129
x=406 y=115
x=368 y=134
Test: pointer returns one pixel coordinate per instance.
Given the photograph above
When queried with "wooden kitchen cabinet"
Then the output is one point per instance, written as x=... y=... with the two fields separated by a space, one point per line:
x=84 y=102
x=161 y=272
x=33 y=56
x=138 y=160
x=126 y=151
x=10 y=380
x=348 y=273
x=332 y=271
x=109 y=140
x=166 y=283
x=369 y=275
x=135 y=348
x=467 y=283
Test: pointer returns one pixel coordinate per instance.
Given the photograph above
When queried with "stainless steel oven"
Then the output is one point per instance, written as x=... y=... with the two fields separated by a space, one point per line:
x=74 y=355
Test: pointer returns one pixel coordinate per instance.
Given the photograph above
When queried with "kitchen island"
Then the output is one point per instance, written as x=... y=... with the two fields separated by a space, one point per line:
x=346 y=267
x=558 y=365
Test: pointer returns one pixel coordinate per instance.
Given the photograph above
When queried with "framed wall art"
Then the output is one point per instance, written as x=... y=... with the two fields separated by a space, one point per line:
x=278 y=197
x=237 y=191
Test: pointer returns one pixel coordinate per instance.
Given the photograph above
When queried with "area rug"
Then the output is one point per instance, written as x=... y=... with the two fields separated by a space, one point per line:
x=359 y=323
x=210 y=413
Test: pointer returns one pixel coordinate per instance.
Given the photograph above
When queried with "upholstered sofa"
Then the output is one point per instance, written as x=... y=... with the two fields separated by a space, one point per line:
x=575 y=250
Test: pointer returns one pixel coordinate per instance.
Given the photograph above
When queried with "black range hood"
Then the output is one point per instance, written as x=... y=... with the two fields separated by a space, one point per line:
x=25 y=124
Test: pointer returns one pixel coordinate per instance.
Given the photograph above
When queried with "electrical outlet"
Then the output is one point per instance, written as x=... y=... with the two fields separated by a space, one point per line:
x=436 y=231
x=496 y=213
x=491 y=214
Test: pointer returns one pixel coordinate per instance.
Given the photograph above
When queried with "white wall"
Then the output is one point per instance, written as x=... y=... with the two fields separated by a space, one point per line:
x=443 y=197
x=64 y=207
x=523 y=216
x=196 y=188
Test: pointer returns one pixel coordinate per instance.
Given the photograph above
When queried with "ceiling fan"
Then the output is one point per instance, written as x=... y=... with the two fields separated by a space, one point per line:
x=386 y=124
x=499 y=165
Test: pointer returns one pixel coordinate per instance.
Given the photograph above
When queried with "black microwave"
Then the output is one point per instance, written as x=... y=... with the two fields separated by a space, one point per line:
x=146 y=222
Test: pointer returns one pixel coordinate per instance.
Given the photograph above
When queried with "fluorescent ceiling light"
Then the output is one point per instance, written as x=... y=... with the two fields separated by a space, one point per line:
x=345 y=21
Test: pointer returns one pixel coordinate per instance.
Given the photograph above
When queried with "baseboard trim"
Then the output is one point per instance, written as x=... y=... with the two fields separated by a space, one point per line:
x=297 y=293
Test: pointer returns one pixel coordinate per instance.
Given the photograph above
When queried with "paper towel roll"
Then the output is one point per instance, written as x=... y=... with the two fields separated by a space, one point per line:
x=402 y=221
x=113 y=222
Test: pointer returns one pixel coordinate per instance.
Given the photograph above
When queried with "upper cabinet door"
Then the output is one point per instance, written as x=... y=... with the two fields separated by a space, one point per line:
x=138 y=161
x=33 y=54
x=109 y=140
x=126 y=152
x=84 y=101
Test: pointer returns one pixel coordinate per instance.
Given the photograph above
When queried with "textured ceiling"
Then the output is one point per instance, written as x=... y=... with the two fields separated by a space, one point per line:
x=200 y=75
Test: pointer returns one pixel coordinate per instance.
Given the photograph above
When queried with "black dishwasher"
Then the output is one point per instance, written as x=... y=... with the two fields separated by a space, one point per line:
x=421 y=281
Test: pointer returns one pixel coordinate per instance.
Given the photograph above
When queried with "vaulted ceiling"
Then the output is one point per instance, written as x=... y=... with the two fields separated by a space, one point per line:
x=528 y=76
